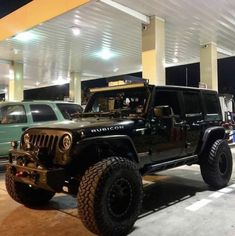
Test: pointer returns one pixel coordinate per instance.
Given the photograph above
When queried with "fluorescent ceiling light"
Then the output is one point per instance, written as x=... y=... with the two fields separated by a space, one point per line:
x=105 y=54
x=25 y=36
x=175 y=60
x=60 y=81
x=143 y=18
x=76 y=30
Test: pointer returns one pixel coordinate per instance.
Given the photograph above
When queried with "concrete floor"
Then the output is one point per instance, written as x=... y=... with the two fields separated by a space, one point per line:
x=177 y=203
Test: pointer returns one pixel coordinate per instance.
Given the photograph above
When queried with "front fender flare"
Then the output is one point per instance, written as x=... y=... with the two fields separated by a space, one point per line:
x=112 y=140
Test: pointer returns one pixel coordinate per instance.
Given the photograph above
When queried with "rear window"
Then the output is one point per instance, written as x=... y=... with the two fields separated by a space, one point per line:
x=12 y=114
x=41 y=112
x=192 y=103
x=69 y=111
x=212 y=104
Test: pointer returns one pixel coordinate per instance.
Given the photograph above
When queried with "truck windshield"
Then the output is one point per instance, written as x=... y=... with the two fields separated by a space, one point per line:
x=133 y=101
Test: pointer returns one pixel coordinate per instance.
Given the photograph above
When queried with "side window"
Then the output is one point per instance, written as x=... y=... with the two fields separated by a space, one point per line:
x=13 y=114
x=41 y=112
x=192 y=103
x=212 y=104
x=169 y=98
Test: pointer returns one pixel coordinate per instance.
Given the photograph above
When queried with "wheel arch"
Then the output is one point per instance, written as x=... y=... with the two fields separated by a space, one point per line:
x=91 y=150
x=210 y=136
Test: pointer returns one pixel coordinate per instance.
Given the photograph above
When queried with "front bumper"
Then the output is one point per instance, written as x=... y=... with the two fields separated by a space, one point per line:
x=49 y=179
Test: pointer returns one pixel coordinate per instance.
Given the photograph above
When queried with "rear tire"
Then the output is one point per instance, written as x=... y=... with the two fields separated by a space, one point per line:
x=110 y=197
x=216 y=168
x=25 y=194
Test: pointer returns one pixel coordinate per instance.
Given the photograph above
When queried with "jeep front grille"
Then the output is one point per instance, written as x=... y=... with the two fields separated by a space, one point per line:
x=44 y=141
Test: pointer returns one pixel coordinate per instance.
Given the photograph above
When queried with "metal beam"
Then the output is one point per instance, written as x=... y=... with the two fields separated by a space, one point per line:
x=143 y=18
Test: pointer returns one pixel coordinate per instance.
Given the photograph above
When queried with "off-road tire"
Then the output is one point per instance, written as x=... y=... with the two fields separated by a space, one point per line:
x=216 y=168
x=24 y=194
x=110 y=197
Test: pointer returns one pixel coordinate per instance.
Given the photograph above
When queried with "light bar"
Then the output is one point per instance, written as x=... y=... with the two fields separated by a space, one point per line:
x=125 y=86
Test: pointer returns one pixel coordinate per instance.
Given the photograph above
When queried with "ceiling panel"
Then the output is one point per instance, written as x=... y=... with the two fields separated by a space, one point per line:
x=55 y=51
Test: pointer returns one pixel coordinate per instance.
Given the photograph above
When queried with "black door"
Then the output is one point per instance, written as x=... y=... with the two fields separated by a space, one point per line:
x=194 y=120
x=167 y=137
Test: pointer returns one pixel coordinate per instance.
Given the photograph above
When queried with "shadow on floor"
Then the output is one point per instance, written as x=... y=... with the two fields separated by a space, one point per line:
x=169 y=191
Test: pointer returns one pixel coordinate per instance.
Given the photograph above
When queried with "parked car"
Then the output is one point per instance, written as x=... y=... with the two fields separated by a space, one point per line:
x=16 y=117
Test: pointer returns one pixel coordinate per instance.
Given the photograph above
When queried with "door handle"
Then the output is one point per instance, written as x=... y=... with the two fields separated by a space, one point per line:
x=24 y=128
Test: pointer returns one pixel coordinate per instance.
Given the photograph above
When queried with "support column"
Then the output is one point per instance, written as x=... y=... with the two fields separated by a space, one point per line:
x=208 y=66
x=75 y=89
x=153 y=51
x=16 y=88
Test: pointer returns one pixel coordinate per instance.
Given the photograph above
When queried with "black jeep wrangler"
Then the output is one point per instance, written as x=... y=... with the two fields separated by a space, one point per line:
x=125 y=132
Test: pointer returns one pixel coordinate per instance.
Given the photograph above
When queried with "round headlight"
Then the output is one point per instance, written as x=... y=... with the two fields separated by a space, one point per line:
x=26 y=139
x=66 y=142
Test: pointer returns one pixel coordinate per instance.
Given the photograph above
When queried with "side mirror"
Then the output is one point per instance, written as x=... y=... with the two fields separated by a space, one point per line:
x=163 y=111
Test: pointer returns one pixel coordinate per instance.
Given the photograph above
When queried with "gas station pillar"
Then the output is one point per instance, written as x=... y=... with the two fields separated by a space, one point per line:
x=15 y=87
x=208 y=66
x=153 y=51
x=75 y=90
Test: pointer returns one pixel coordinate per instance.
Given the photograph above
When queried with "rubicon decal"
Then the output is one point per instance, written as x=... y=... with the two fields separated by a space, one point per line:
x=105 y=129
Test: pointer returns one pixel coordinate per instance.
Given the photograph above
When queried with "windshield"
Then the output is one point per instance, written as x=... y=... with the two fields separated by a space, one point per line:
x=69 y=111
x=133 y=101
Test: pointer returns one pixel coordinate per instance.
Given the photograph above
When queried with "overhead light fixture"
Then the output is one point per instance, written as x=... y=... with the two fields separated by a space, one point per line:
x=37 y=83
x=25 y=36
x=76 y=30
x=115 y=69
x=60 y=81
x=143 y=18
x=105 y=54
x=175 y=60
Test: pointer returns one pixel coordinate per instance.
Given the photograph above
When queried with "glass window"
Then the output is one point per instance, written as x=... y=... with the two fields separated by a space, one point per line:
x=192 y=103
x=12 y=114
x=69 y=111
x=41 y=112
x=170 y=98
x=212 y=104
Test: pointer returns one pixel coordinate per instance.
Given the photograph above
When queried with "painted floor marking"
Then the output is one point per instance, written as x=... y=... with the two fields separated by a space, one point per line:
x=197 y=205
x=226 y=190
x=201 y=203
x=216 y=195
x=232 y=186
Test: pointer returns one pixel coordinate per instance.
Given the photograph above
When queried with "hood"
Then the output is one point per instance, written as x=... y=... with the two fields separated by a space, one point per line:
x=90 y=123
